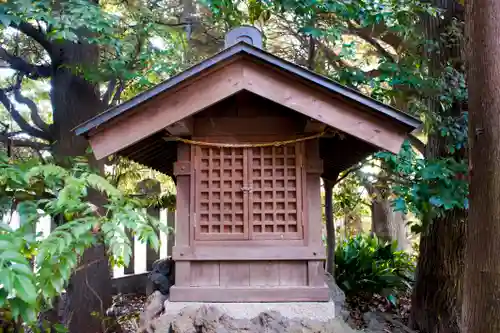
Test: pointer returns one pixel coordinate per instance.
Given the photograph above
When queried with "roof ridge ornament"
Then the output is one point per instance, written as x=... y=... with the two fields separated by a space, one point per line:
x=246 y=33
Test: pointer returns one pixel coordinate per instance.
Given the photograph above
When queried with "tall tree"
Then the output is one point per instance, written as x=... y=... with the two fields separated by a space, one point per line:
x=481 y=306
x=91 y=60
x=436 y=300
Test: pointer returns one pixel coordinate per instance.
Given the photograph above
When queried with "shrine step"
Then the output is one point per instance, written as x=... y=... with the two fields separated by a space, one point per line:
x=321 y=311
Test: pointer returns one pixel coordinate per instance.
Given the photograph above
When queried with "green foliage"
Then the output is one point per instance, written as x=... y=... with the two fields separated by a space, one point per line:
x=135 y=50
x=35 y=191
x=348 y=197
x=366 y=265
x=429 y=187
x=64 y=21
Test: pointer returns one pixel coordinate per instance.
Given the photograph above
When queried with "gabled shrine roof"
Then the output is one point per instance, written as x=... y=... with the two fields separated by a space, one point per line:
x=245 y=49
x=138 y=127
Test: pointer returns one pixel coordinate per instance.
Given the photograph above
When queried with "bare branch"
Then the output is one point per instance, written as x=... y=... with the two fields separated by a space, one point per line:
x=35 y=145
x=339 y=64
x=118 y=93
x=21 y=65
x=109 y=91
x=381 y=32
x=18 y=118
x=168 y=24
x=371 y=40
x=34 y=33
x=35 y=114
x=311 y=53
x=348 y=172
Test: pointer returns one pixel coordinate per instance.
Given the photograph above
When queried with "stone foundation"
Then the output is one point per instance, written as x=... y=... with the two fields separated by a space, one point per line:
x=247 y=317
x=322 y=311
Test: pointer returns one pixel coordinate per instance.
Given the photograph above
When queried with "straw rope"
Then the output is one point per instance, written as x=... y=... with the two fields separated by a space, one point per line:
x=246 y=145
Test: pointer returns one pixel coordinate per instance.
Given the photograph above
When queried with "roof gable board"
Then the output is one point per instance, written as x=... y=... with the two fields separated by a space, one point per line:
x=239 y=49
x=241 y=74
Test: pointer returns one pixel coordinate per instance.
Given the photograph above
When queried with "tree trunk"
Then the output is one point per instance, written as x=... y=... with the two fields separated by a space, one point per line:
x=387 y=224
x=330 y=228
x=75 y=100
x=437 y=296
x=355 y=224
x=481 y=307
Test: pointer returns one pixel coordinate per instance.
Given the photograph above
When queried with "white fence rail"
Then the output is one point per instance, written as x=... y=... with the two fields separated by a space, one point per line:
x=142 y=255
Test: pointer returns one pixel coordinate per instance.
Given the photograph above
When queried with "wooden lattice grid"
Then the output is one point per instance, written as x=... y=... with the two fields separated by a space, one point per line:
x=220 y=207
x=275 y=202
x=248 y=193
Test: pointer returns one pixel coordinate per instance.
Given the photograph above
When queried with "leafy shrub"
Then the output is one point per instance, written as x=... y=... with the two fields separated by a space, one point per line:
x=366 y=265
x=34 y=191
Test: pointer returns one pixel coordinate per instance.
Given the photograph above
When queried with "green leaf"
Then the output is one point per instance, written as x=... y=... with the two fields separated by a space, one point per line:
x=28 y=314
x=22 y=269
x=7 y=279
x=13 y=256
x=312 y=31
x=57 y=282
x=5 y=19
x=60 y=328
x=25 y=289
x=436 y=201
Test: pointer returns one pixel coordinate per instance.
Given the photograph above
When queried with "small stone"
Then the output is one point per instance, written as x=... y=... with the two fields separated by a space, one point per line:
x=152 y=309
x=374 y=323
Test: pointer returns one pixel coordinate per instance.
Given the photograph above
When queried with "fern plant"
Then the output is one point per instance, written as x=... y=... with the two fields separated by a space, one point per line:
x=34 y=270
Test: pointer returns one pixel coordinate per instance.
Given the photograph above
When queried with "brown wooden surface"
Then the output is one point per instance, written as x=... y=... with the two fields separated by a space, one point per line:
x=235 y=274
x=248 y=294
x=293 y=273
x=313 y=195
x=214 y=123
x=265 y=273
x=181 y=128
x=316 y=273
x=315 y=270
x=183 y=273
x=246 y=273
x=219 y=197
x=275 y=177
x=248 y=252
x=210 y=89
x=322 y=107
x=205 y=274
x=182 y=168
x=166 y=110
x=248 y=193
x=183 y=199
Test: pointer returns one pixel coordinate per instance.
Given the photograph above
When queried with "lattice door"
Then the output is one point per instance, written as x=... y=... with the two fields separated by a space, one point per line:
x=220 y=212
x=248 y=193
x=275 y=200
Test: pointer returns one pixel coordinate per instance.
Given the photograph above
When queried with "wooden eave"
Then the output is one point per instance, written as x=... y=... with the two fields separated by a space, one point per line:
x=244 y=67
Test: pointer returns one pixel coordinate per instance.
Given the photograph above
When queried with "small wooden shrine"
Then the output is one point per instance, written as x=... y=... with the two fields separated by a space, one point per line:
x=247 y=136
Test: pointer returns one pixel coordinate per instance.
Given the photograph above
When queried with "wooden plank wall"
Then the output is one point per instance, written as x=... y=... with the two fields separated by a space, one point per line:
x=249 y=274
